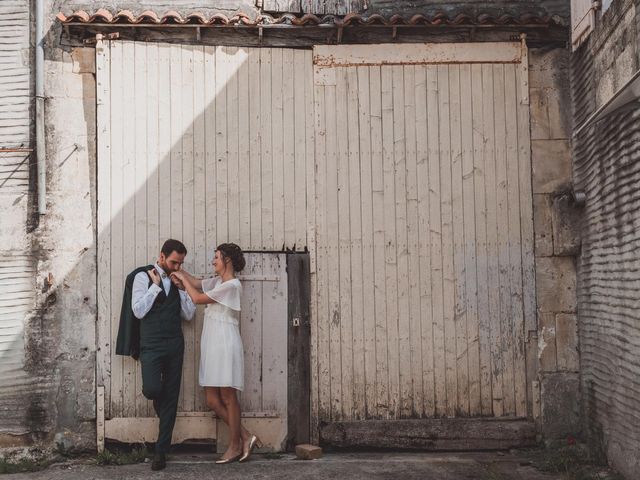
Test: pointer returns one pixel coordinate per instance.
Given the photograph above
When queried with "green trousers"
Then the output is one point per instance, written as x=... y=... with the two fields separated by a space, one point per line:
x=161 y=360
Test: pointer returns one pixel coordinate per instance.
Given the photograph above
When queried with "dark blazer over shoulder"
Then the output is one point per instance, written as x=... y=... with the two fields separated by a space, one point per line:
x=128 y=342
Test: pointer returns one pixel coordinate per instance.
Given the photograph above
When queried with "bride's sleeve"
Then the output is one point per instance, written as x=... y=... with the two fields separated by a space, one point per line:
x=227 y=294
x=209 y=283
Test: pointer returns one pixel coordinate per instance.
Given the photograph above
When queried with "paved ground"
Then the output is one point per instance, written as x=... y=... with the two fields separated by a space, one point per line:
x=342 y=466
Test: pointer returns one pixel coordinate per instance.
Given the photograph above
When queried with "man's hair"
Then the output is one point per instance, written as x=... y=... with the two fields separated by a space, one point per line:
x=172 y=245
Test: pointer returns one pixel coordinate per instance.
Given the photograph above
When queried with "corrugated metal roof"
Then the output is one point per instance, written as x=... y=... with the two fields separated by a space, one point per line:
x=151 y=18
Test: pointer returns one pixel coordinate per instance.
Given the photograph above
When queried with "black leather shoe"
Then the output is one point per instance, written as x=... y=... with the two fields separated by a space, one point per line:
x=159 y=461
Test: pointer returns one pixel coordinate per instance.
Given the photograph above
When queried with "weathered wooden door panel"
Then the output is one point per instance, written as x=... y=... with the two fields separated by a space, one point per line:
x=425 y=286
x=181 y=153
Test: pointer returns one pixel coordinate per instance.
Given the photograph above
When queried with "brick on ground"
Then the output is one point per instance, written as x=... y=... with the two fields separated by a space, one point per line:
x=308 y=452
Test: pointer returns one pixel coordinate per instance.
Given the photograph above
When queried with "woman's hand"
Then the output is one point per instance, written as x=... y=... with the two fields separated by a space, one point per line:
x=178 y=275
x=177 y=281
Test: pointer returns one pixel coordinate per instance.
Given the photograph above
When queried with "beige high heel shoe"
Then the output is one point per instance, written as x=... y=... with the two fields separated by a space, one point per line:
x=253 y=442
x=229 y=460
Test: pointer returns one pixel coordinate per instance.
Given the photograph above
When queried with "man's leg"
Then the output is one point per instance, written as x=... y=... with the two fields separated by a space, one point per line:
x=151 y=361
x=168 y=406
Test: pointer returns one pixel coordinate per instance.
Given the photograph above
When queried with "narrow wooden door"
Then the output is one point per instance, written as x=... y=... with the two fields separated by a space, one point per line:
x=167 y=168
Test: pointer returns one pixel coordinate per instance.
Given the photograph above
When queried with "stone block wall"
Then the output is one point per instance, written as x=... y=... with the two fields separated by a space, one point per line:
x=556 y=220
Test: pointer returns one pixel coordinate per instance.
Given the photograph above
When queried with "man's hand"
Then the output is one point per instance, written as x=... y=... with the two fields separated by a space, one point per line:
x=155 y=278
x=177 y=281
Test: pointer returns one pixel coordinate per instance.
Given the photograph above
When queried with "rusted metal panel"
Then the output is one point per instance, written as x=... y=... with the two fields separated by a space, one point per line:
x=17 y=386
x=21 y=408
x=15 y=95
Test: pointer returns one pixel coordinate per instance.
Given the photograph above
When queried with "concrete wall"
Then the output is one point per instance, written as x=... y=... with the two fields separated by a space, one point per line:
x=606 y=167
x=51 y=397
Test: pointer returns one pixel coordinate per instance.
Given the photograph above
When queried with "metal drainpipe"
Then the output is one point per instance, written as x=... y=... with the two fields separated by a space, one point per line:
x=40 y=142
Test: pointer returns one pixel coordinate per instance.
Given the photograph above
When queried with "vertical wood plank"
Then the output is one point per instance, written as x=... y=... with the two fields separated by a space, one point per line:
x=368 y=292
x=236 y=58
x=128 y=206
x=469 y=103
x=255 y=150
x=447 y=239
x=402 y=262
x=459 y=285
x=177 y=125
x=332 y=252
x=189 y=369
x=506 y=360
x=274 y=332
x=245 y=110
x=163 y=204
x=289 y=140
x=302 y=123
x=480 y=138
x=345 y=312
x=104 y=142
x=117 y=195
x=437 y=307
x=222 y=75
x=413 y=258
x=251 y=326
x=377 y=188
x=164 y=142
x=322 y=370
x=527 y=247
x=281 y=5
x=424 y=234
x=277 y=139
x=313 y=224
x=517 y=355
x=266 y=173
x=390 y=257
x=493 y=273
x=140 y=195
x=355 y=233
x=309 y=165
x=199 y=214
x=210 y=163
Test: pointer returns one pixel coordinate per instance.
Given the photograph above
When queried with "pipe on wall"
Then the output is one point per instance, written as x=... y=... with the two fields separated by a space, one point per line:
x=40 y=140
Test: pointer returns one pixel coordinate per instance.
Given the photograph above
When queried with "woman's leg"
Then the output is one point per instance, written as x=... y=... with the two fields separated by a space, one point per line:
x=230 y=400
x=215 y=403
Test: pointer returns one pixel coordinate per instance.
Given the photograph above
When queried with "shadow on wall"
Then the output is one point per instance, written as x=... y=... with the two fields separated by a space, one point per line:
x=183 y=152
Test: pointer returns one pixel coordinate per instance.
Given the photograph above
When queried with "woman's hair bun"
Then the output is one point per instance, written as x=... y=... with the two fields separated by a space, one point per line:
x=234 y=253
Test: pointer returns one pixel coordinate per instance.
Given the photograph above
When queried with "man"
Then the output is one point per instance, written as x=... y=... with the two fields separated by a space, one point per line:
x=159 y=303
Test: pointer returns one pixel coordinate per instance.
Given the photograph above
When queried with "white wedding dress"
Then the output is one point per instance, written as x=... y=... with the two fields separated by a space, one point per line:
x=221 y=351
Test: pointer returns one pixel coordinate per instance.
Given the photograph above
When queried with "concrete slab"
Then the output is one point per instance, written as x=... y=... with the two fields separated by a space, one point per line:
x=354 y=466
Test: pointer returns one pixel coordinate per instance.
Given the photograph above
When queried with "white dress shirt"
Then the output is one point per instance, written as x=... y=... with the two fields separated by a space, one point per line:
x=143 y=295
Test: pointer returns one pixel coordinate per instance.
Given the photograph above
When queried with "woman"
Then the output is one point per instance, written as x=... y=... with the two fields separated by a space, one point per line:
x=221 y=351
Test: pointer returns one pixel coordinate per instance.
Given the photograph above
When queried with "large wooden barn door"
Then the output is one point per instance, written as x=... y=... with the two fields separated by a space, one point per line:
x=424 y=291
x=184 y=152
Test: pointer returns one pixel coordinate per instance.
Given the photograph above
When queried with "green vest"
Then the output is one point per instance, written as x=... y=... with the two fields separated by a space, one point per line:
x=163 y=320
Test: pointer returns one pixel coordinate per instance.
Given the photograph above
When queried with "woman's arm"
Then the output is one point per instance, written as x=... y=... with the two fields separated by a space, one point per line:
x=188 y=278
x=194 y=292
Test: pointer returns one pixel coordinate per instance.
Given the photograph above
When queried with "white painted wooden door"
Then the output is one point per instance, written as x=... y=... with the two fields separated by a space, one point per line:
x=424 y=232
x=173 y=161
